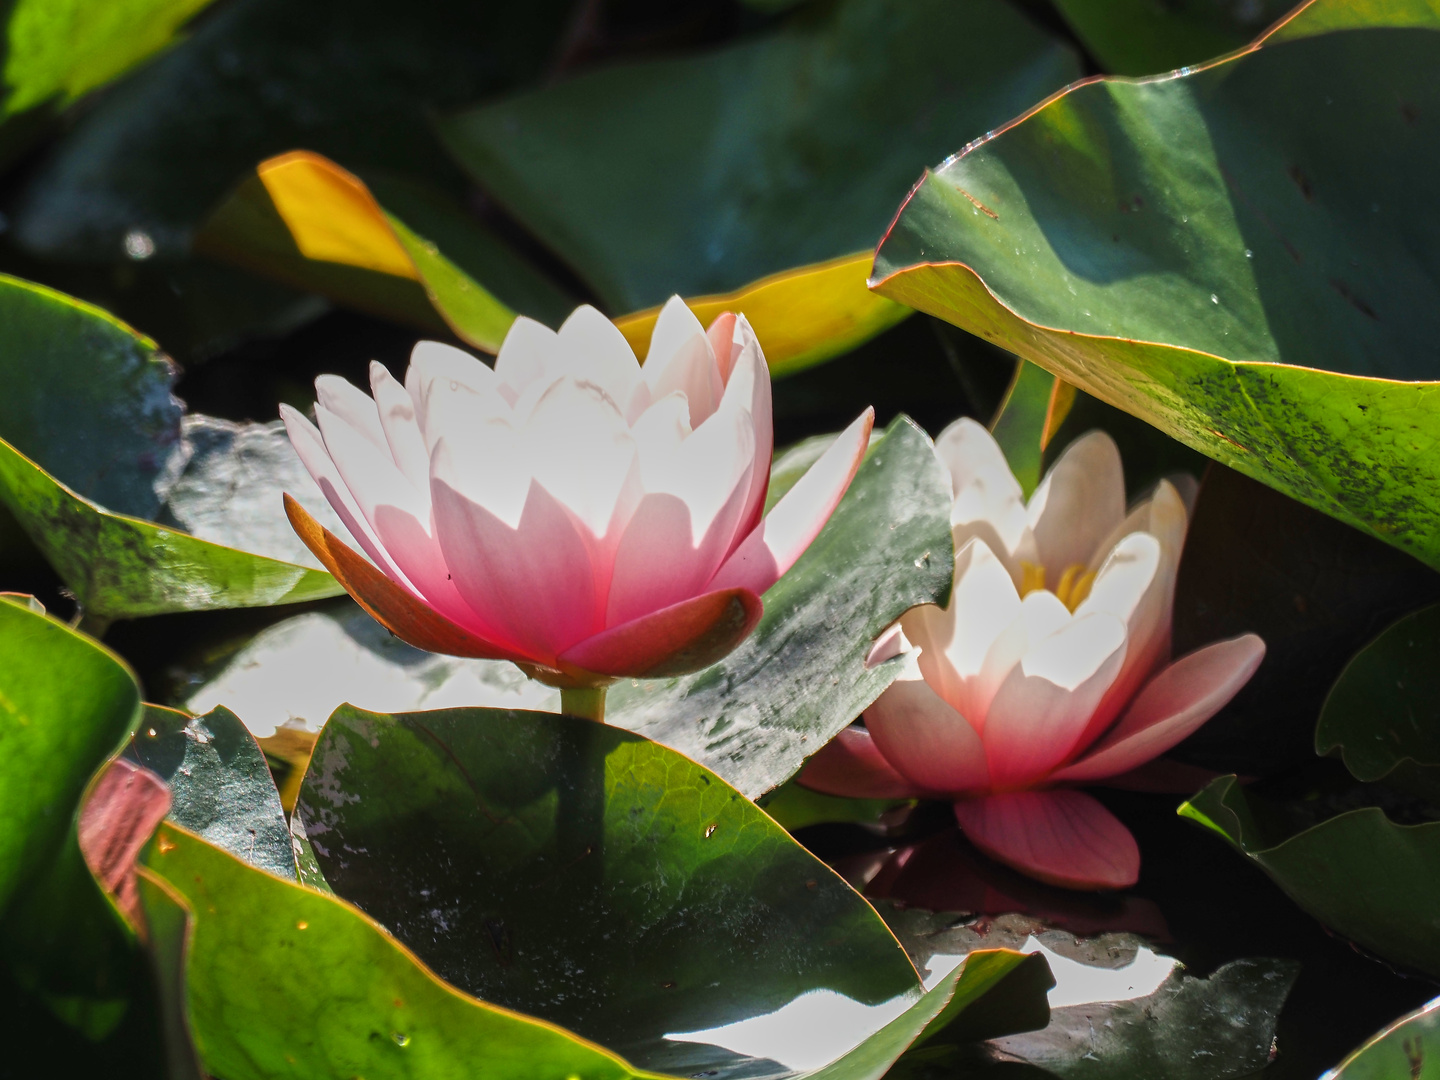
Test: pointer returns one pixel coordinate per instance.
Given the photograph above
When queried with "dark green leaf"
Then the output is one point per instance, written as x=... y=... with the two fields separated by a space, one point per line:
x=167 y=925
x=574 y=871
x=353 y=79
x=700 y=174
x=1383 y=714
x=1398 y=1051
x=1141 y=37
x=66 y=704
x=286 y=981
x=1359 y=873
x=800 y=677
x=1019 y=426
x=1315 y=590
x=220 y=786
x=1244 y=257
x=87 y=396
x=795 y=807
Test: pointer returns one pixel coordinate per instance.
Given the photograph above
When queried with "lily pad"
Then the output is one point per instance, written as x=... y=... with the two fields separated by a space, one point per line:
x=1241 y=256
x=1023 y=421
x=800 y=677
x=452 y=828
x=1398 y=1051
x=66 y=704
x=782 y=150
x=220 y=786
x=1139 y=37
x=1383 y=714
x=1359 y=873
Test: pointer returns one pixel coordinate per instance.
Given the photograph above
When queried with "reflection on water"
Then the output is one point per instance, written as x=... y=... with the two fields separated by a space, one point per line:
x=1078 y=983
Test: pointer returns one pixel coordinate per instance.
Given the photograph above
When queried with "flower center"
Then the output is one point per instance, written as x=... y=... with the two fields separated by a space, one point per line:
x=1074 y=586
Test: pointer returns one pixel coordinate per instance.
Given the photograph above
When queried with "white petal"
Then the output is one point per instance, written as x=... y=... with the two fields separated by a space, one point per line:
x=402 y=433
x=530 y=352
x=1080 y=501
x=577 y=445
x=354 y=406
x=592 y=348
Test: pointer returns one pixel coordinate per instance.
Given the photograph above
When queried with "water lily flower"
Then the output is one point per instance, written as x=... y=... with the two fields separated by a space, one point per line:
x=568 y=510
x=1049 y=668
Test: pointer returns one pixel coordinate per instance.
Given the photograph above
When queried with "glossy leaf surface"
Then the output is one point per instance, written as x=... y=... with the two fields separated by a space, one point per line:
x=220 y=786
x=564 y=868
x=1021 y=424
x=698 y=174
x=800 y=677
x=1137 y=37
x=1400 y=1051
x=284 y=981
x=1243 y=256
x=1359 y=873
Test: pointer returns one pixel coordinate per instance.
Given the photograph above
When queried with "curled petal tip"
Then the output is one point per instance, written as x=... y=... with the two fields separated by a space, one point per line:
x=676 y=640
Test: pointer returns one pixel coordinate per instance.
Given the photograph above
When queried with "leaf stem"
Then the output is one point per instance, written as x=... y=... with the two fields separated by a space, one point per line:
x=585 y=701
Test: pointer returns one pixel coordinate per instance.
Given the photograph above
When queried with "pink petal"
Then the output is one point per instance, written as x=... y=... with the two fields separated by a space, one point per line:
x=443 y=382
x=722 y=343
x=591 y=348
x=1174 y=704
x=125 y=806
x=534 y=582
x=784 y=534
x=676 y=640
x=402 y=432
x=1163 y=777
x=851 y=766
x=354 y=406
x=1041 y=615
x=988 y=500
x=926 y=740
x=1043 y=705
x=528 y=354
x=748 y=379
x=681 y=358
x=1063 y=838
x=1081 y=499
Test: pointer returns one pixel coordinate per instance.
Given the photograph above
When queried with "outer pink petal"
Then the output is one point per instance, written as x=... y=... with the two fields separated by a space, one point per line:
x=535 y=583
x=851 y=766
x=721 y=333
x=1042 y=706
x=749 y=368
x=926 y=740
x=676 y=640
x=681 y=358
x=784 y=534
x=1064 y=838
x=1174 y=704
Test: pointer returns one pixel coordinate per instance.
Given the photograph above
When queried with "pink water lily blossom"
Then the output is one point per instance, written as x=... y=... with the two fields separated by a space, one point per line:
x=568 y=509
x=1050 y=667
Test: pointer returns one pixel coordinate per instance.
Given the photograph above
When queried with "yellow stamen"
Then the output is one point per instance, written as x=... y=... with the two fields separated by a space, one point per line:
x=1075 y=585
x=1032 y=577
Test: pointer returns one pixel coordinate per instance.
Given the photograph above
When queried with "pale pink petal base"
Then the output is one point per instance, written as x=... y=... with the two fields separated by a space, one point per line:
x=851 y=766
x=1064 y=838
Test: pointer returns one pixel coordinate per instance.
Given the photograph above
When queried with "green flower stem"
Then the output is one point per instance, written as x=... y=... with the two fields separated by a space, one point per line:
x=586 y=702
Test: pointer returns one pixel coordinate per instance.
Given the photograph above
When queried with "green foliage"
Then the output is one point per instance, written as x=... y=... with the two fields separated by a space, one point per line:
x=1398 y=1051
x=1141 y=37
x=1244 y=257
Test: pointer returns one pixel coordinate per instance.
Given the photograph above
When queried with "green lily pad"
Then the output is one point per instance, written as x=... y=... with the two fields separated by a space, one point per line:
x=454 y=829
x=86 y=395
x=1019 y=426
x=167 y=922
x=1383 y=714
x=800 y=677
x=220 y=786
x=66 y=704
x=353 y=79
x=57 y=50
x=1398 y=1051
x=1315 y=590
x=1242 y=256
x=1359 y=873
x=782 y=150
x=284 y=981
x=1140 y=37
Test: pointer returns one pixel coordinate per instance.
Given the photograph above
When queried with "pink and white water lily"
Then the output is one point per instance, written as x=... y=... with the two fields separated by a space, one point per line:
x=568 y=509
x=1050 y=667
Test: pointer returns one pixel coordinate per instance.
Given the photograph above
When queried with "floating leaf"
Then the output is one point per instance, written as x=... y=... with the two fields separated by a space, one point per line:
x=1021 y=424
x=787 y=149
x=1359 y=873
x=219 y=783
x=1241 y=256
x=1398 y=1051
x=66 y=704
x=284 y=981
x=800 y=677
x=1381 y=715
x=1138 y=37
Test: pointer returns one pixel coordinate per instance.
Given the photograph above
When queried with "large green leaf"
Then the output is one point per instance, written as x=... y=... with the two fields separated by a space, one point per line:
x=1398 y=1052
x=1142 y=37
x=1359 y=873
x=800 y=677
x=563 y=868
x=56 y=50
x=1244 y=256
x=1383 y=714
x=284 y=981
x=354 y=79
x=66 y=704
x=1315 y=590
x=220 y=786
x=86 y=395
x=701 y=173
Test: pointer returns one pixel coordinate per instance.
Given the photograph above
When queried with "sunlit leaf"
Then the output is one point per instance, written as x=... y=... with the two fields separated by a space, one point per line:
x=1359 y=873
x=1243 y=256
x=1399 y=1051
